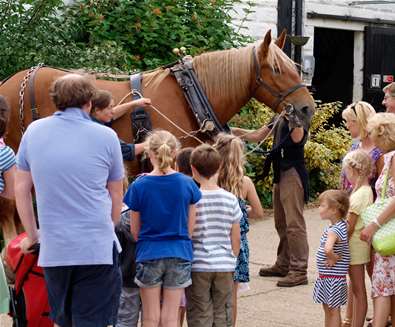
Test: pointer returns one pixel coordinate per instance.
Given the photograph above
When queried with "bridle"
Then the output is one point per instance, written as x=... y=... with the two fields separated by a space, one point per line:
x=279 y=95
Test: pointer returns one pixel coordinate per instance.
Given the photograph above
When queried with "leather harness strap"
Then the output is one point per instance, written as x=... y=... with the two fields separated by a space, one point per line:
x=279 y=95
x=197 y=98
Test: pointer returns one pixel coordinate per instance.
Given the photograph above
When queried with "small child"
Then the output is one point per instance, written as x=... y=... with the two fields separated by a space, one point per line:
x=216 y=245
x=162 y=220
x=333 y=256
x=231 y=178
x=357 y=166
x=7 y=155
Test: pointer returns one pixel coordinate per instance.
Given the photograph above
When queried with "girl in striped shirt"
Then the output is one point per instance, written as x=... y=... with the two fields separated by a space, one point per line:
x=333 y=256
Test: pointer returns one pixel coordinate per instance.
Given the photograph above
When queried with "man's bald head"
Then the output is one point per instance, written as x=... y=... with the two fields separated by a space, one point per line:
x=72 y=90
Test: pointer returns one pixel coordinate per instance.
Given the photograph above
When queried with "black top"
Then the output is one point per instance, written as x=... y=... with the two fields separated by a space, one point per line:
x=287 y=154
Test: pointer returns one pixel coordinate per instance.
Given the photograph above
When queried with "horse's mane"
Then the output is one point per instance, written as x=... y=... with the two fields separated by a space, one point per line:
x=227 y=73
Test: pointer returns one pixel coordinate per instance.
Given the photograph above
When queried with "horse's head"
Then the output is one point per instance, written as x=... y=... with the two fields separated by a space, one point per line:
x=276 y=81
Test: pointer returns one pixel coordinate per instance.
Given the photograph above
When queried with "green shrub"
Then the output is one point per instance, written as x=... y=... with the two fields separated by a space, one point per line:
x=326 y=146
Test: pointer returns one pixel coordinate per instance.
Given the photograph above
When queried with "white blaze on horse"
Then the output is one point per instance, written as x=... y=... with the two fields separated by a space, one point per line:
x=230 y=78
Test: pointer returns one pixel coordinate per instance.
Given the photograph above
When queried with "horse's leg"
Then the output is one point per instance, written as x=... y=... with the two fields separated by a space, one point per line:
x=7 y=219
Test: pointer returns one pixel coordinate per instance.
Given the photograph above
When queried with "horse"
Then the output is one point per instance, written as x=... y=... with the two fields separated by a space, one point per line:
x=230 y=78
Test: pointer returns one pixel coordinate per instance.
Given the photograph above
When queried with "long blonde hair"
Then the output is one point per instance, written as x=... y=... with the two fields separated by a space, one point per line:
x=163 y=145
x=231 y=170
x=360 y=162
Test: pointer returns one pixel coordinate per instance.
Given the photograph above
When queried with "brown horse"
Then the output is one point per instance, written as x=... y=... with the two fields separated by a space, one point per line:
x=229 y=78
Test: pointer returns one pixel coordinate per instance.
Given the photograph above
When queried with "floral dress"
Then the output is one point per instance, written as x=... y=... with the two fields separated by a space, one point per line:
x=383 y=278
x=242 y=271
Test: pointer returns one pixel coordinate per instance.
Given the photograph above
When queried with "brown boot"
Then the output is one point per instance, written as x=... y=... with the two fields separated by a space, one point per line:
x=272 y=271
x=293 y=279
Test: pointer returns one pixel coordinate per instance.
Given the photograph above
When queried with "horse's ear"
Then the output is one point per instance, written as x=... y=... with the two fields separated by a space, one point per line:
x=281 y=39
x=266 y=43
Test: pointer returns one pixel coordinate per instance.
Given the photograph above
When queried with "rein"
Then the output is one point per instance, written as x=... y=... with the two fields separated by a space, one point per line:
x=279 y=95
x=187 y=134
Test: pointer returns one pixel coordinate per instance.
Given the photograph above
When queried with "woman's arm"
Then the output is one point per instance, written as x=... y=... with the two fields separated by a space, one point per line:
x=135 y=224
x=252 y=198
x=191 y=219
x=120 y=110
x=331 y=256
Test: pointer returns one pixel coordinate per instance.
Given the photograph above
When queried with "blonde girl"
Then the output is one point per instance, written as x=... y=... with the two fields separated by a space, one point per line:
x=231 y=178
x=333 y=256
x=162 y=207
x=357 y=166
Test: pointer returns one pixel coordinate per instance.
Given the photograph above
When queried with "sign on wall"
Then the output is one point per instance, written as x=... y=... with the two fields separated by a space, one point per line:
x=375 y=81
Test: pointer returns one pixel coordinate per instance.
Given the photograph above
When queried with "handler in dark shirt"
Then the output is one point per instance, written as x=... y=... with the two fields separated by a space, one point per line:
x=290 y=191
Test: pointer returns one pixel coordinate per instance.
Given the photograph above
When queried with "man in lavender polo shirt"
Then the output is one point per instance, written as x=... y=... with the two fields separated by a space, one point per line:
x=75 y=166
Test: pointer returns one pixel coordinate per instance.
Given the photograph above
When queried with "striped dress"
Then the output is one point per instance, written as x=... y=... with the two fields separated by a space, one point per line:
x=7 y=160
x=331 y=285
x=216 y=212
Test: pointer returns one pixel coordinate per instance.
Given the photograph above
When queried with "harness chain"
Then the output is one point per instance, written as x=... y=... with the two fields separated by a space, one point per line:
x=22 y=94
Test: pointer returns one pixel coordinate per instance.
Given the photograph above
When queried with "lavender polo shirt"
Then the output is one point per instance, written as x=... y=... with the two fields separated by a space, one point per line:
x=71 y=159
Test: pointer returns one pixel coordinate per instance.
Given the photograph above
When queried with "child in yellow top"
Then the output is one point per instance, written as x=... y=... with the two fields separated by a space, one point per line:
x=358 y=166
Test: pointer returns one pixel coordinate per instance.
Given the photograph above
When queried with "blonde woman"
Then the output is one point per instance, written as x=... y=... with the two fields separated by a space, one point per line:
x=356 y=117
x=231 y=178
x=381 y=129
x=162 y=222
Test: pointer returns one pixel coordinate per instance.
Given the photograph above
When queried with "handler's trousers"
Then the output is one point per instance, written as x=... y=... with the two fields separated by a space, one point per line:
x=288 y=203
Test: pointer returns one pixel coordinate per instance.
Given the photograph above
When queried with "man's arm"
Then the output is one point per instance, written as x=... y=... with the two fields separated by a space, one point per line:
x=23 y=197
x=120 y=110
x=116 y=193
x=251 y=135
x=297 y=134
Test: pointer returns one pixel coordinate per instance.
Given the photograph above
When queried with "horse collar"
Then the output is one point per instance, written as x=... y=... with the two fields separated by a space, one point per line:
x=279 y=95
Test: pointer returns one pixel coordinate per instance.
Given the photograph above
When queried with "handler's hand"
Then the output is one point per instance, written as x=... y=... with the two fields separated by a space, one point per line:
x=26 y=245
x=368 y=232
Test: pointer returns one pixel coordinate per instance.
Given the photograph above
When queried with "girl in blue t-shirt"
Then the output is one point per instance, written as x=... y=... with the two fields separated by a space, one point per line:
x=162 y=207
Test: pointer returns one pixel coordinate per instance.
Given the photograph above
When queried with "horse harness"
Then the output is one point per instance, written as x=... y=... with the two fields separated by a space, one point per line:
x=28 y=80
x=279 y=95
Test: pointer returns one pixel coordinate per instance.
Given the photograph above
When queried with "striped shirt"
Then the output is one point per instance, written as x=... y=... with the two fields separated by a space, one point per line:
x=216 y=212
x=7 y=160
x=340 y=248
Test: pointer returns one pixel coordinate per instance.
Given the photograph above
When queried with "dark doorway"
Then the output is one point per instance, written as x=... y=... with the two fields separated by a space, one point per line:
x=379 y=63
x=334 y=65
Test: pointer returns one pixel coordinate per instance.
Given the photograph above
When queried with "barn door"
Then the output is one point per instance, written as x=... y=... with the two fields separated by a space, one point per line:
x=379 y=60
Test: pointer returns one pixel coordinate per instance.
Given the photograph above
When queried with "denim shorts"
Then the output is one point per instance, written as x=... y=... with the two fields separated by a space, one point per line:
x=168 y=273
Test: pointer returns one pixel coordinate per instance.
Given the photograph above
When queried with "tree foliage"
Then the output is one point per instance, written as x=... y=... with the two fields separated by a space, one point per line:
x=116 y=35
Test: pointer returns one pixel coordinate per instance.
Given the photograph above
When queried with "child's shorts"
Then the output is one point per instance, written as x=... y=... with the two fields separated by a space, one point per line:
x=168 y=273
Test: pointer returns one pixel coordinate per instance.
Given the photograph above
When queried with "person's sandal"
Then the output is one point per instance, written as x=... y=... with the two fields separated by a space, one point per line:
x=346 y=322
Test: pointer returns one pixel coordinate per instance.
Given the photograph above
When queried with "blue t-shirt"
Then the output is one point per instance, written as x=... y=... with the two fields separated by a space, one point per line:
x=163 y=203
x=71 y=159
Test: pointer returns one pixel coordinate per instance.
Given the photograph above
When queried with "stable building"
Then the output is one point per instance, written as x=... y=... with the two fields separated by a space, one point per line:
x=348 y=47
